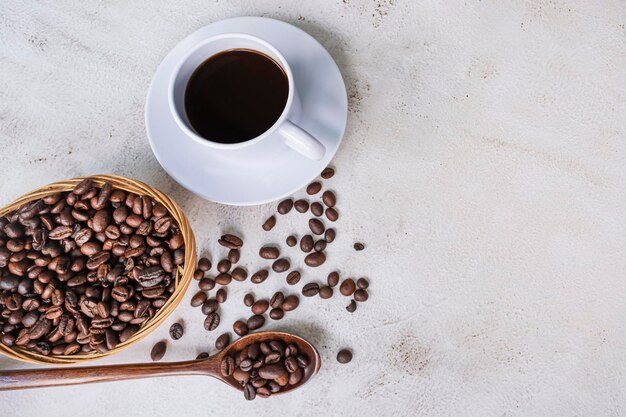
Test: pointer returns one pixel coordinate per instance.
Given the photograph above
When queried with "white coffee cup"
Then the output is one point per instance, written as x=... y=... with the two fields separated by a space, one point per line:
x=282 y=129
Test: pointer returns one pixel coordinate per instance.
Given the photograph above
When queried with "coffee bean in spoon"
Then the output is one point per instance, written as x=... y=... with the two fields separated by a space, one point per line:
x=306 y=243
x=269 y=223
x=293 y=277
x=347 y=287
x=317 y=209
x=269 y=252
x=281 y=265
x=332 y=214
x=316 y=226
x=248 y=300
x=327 y=173
x=313 y=188
x=204 y=264
x=233 y=256
x=344 y=356
x=329 y=198
x=320 y=245
x=223 y=266
x=158 y=351
x=285 y=206
x=315 y=259
x=301 y=206
x=333 y=279
x=329 y=235
x=291 y=241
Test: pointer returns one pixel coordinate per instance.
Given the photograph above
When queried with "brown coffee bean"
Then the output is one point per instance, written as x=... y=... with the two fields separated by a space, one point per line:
x=101 y=220
x=197 y=300
x=291 y=364
x=248 y=300
x=317 y=209
x=227 y=366
x=316 y=226
x=362 y=283
x=239 y=274
x=327 y=173
x=347 y=287
x=281 y=265
x=301 y=206
x=255 y=322
x=221 y=295
x=269 y=252
x=198 y=275
x=359 y=246
x=211 y=321
x=333 y=279
x=311 y=289
x=223 y=266
x=83 y=186
x=158 y=351
x=202 y=355
x=240 y=328
x=315 y=259
x=313 y=188
x=320 y=245
x=259 y=276
x=291 y=241
x=233 y=256
x=290 y=303
x=222 y=341
x=332 y=214
x=269 y=223
x=249 y=392
x=223 y=279
x=206 y=284
x=176 y=331
x=277 y=313
x=326 y=292
x=306 y=243
x=351 y=308
x=329 y=198
x=204 y=264
x=260 y=307
x=58 y=233
x=285 y=206
x=210 y=306
x=293 y=278
x=344 y=356
x=361 y=295
x=231 y=241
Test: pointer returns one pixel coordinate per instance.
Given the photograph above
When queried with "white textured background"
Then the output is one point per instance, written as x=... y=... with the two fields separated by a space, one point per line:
x=483 y=166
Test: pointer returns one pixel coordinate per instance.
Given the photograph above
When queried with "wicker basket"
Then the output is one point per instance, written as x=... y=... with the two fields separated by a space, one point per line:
x=183 y=277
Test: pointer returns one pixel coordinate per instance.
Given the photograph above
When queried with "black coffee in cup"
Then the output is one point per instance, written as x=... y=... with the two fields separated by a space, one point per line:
x=235 y=96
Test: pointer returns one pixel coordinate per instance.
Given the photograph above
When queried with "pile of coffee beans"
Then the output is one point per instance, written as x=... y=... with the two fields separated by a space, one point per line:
x=82 y=271
x=265 y=368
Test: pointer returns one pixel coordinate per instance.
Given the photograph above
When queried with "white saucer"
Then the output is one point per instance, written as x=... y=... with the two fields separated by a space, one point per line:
x=240 y=178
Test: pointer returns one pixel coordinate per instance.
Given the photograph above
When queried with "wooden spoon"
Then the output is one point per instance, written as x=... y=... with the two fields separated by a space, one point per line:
x=22 y=379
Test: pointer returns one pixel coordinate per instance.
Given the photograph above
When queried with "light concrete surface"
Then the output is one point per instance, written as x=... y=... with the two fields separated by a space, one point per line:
x=483 y=166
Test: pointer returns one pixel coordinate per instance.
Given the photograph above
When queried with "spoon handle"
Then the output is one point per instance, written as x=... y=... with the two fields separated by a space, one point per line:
x=22 y=379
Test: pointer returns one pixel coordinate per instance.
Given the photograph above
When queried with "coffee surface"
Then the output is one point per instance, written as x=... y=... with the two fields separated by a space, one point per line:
x=235 y=96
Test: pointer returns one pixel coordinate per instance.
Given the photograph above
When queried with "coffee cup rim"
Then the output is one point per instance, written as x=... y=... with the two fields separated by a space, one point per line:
x=208 y=142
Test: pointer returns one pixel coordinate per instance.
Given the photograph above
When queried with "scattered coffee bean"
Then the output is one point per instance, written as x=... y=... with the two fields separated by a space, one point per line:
x=333 y=279
x=329 y=235
x=212 y=321
x=326 y=292
x=315 y=259
x=329 y=198
x=320 y=245
x=176 y=331
x=222 y=341
x=255 y=322
x=301 y=206
x=359 y=246
x=317 y=209
x=332 y=214
x=311 y=289
x=313 y=188
x=202 y=355
x=285 y=206
x=362 y=283
x=206 y=284
x=361 y=295
x=240 y=328
x=316 y=226
x=306 y=243
x=277 y=299
x=293 y=278
x=221 y=295
x=260 y=276
x=198 y=299
x=158 y=351
x=344 y=356
x=291 y=241
x=269 y=252
x=239 y=274
x=347 y=287
x=231 y=241
x=281 y=265
x=269 y=223
x=198 y=275
x=248 y=300
x=351 y=307
x=204 y=264
x=223 y=266
x=290 y=303
x=327 y=173
x=233 y=256
x=260 y=307
x=223 y=279
x=277 y=313
x=210 y=306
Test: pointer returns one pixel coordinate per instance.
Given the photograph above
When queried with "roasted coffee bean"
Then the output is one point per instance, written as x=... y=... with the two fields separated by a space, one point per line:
x=313 y=188
x=281 y=265
x=101 y=220
x=333 y=279
x=329 y=198
x=227 y=366
x=242 y=377
x=249 y=392
x=277 y=313
x=202 y=355
x=317 y=209
x=277 y=299
x=231 y=241
x=285 y=206
x=206 y=284
x=259 y=276
x=240 y=328
x=311 y=289
x=255 y=322
x=222 y=341
x=344 y=356
x=315 y=259
x=290 y=303
x=223 y=266
x=58 y=233
x=83 y=186
x=212 y=321
x=9 y=283
x=291 y=364
x=158 y=351
x=223 y=279
x=239 y=274
x=210 y=306
x=316 y=226
x=347 y=287
x=198 y=275
x=221 y=295
x=198 y=298
x=233 y=256
x=269 y=252
x=332 y=214
x=326 y=292
x=361 y=295
x=269 y=223
x=260 y=306
x=320 y=245
x=358 y=246
x=293 y=278
x=291 y=241
x=306 y=243
x=362 y=283
x=327 y=173
x=204 y=264
x=248 y=300
x=291 y=350
x=275 y=371
x=301 y=206
x=296 y=377
x=272 y=357
x=351 y=308
x=176 y=331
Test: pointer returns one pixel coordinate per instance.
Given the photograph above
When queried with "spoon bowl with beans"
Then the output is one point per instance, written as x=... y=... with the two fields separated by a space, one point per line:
x=259 y=364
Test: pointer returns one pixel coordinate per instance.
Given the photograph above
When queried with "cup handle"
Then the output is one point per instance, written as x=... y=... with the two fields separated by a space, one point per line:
x=301 y=141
